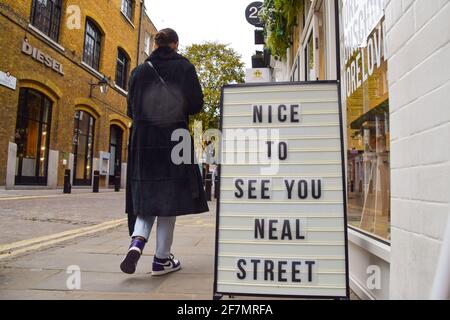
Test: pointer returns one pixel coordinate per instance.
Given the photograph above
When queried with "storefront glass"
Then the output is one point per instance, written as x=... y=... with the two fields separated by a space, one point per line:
x=32 y=137
x=83 y=147
x=364 y=73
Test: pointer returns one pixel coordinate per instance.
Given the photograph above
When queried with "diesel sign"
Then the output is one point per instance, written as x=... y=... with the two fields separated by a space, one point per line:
x=43 y=58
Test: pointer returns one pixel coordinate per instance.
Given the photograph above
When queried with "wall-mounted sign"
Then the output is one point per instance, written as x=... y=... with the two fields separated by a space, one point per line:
x=42 y=57
x=252 y=14
x=257 y=75
x=281 y=214
x=7 y=80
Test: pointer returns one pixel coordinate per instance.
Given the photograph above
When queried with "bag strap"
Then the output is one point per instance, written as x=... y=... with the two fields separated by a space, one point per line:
x=157 y=73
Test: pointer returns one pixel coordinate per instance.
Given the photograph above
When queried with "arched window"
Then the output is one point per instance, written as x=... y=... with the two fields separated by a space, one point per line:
x=92 y=45
x=46 y=16
x=122 y=69
x=32 y=137
x=83 y=147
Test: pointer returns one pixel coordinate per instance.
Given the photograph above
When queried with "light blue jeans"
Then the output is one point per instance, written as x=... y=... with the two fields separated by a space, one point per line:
x=164 y=233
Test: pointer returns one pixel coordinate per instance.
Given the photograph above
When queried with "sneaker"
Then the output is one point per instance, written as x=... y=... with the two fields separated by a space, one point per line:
x=129 y=264
x=165 y=266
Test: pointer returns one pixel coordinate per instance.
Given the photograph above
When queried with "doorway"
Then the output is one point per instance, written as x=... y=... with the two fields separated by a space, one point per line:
x=32 y=137
x=115 y=151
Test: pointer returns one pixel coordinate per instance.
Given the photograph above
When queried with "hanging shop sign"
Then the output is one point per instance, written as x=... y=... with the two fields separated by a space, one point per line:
x=252 y=14
x=281 y=213
x=42 y=57
x=7 y=80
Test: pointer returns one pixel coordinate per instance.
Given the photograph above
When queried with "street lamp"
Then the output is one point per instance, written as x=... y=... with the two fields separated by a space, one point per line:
x=103 y=84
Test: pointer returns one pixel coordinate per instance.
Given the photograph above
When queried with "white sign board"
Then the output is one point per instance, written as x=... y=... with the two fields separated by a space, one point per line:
x=258 y=75
x=8 y=80
x=281 y=214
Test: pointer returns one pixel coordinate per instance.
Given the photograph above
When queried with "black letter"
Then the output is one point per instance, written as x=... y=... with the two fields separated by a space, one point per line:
x=281 y=271
x=255 y=268
x=272 y=230
x=270 y=114
x=251 y=188
x=259 y=228
x=295 y=271
x=264 y=189
x=257 y=114
x=317 y=195
x=303 y=189
x=268 y=269
x=294 y=113
x=310 y=264
x=282 y=118
x=282 y=150
x=243 y=274
x=240 y=192
x=289 y=187
x=286 y=233
x=269 y=148
x=297 y=232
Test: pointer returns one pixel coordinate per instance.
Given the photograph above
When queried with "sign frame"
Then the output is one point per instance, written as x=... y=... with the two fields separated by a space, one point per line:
x=218 y=295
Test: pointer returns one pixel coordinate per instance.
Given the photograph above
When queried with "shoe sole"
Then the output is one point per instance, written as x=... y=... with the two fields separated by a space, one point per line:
x=128 y=264
x=162 y=273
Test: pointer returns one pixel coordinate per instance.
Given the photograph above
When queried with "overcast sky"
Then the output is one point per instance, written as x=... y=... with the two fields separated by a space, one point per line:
x=197 y=21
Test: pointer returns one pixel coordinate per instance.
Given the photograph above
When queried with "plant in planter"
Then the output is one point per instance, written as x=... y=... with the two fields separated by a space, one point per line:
x=279 y=18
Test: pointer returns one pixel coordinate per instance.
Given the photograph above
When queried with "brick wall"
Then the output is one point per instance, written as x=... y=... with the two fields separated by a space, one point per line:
x=418 y=44
x=71 y=90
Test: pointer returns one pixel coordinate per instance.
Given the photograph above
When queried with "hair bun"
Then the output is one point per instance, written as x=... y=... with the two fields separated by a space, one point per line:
x=165 y=37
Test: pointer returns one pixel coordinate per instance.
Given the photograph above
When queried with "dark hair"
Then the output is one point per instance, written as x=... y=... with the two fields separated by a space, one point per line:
x=165 y=37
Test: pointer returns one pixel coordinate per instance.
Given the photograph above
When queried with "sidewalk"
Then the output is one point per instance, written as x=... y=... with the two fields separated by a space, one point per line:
x=42 y=274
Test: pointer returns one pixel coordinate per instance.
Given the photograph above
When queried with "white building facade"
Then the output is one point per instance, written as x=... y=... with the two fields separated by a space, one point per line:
x=392 y=59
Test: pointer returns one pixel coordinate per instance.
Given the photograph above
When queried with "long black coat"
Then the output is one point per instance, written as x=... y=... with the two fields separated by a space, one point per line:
x=155 y=185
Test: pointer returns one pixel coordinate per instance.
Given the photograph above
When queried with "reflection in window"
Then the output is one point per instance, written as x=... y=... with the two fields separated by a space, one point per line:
x=310 y=67
x=46 y=16
x=368 y=133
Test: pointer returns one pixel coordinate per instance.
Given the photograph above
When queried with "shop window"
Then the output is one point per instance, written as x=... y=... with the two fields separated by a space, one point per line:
x=83 y=147
x=122 y=67
x=46 y=16
x=368 y=130
x=127 y=8
x=32 y=137
x=92 y=45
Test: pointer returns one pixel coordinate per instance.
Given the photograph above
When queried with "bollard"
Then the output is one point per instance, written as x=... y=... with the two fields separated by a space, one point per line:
x=67 y=185
x=208 y=186
x=216 y=187
x=96 y=181
x=117 y=182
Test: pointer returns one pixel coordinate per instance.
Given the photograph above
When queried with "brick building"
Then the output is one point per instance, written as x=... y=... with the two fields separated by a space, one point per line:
x=64 y=71
x=147 y=37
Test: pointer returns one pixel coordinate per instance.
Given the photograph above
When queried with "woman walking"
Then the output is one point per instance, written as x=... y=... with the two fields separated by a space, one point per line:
x=163 y=92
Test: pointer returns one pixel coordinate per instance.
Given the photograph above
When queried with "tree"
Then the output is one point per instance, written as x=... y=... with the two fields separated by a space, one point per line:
x=217 y=65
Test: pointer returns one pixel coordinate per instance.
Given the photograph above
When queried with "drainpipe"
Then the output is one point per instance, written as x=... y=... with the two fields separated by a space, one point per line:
x=139 y=32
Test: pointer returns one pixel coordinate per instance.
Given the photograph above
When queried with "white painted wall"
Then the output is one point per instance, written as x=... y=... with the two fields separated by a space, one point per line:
x=418 y=41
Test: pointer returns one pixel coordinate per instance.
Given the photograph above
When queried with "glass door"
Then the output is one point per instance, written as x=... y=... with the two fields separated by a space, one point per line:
x=115 y=151
x=83 y=148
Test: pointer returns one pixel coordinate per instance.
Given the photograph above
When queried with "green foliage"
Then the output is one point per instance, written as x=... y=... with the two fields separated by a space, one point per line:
x=279 y=18
x=217 y=65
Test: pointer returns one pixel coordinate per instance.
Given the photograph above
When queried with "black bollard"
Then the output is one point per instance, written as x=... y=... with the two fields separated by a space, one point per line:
x=208 y=186
x=67 y=185
x=117 y=182
x=96 y=181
